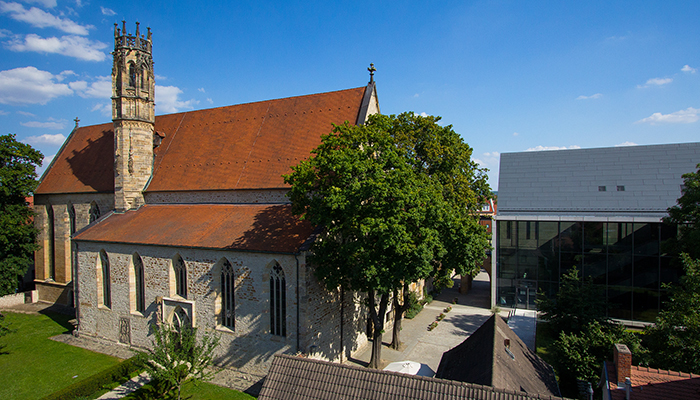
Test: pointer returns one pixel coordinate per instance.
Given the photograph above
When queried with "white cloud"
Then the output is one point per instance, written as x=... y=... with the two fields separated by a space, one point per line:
x=687 y=116
x=72 y=46
x=100 y=89
x=593 y=96
x=544 y=148
x=54 y=140
x=5 y=33
x=488 y=160
x=41 y=19
x=515 y=134
x=46 y=139
x=161 y=77
x=624 y=144
x=45 y=163
x=167 y=100
x=28 y=114
x=3 y=112
x=29 y=85
x=416 y=95
x=201 y=89
x=107 y=11
x=688 y=68
x=45 y=3
x=656 y=82
x=210 y=100
x=104 y=109
x=423 y=114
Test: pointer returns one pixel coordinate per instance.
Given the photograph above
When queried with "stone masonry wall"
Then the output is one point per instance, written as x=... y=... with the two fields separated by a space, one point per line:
x=250 y=346
x=272 y=196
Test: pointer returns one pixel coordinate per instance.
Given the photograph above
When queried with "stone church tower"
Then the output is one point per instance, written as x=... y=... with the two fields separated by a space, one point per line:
x=133 y=116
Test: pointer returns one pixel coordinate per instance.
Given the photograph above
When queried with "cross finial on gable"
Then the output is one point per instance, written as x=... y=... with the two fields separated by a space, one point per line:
x=76 y=121
x=371 y=70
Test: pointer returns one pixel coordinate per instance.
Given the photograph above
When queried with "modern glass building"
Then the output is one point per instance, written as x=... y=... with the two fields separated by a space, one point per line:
x=598 y=210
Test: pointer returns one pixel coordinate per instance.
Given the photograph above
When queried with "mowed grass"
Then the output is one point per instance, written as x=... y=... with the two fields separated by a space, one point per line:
x=33 y=366
x=190 y=391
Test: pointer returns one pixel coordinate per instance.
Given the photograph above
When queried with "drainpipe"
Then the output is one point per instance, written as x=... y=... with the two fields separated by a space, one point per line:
x=296 y=257
x=342 y=319
x=628 y=388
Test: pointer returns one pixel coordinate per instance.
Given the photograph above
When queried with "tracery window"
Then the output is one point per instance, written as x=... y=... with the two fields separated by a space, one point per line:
x=139 y=284
x=94 y=212
x=278 y=301
x=227 y=295
x=106 y=289
x=180 y=276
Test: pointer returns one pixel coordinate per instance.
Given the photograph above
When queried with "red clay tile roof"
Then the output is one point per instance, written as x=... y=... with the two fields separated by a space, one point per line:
x=246 y=146
x=293 y=378
x=651 y=384
x=254 y=227
x=85 y=163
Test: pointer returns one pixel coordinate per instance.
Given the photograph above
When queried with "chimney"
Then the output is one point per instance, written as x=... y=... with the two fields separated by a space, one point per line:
x=623 y=364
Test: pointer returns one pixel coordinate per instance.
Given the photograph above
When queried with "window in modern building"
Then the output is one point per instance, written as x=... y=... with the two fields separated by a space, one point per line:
x=227 y=295
x=278 y=301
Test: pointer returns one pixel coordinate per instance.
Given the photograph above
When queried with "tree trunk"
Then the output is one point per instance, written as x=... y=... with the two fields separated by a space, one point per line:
x=378 y=322
x=399 y=309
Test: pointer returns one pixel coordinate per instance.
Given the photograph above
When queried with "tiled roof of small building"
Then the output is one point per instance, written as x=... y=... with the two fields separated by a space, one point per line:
x=484 y=359
x=293 y=378
x=248 y=227
x=652 y=384
x=246 y=146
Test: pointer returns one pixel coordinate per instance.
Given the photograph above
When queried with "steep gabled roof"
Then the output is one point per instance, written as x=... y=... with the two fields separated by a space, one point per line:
x=292 y=378
x=484 y=359
x=247 y=227
x=246 y=146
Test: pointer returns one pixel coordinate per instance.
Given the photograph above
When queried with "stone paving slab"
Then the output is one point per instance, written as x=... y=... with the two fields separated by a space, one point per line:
x=127 y=388
x=524 y=324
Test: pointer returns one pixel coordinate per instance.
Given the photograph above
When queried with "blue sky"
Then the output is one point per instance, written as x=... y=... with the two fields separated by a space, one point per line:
x=507 y=75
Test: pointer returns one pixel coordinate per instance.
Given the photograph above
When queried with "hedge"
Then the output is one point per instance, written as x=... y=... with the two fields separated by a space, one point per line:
x=97 y=382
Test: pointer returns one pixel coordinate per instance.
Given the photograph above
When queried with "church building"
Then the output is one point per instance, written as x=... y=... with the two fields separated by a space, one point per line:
x=184 y=218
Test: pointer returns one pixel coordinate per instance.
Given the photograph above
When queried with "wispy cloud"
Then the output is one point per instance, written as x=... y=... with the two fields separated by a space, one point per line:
x=688 y=68
x=27 y=114
x=656 y=82
x=624 y=144
x=515 y=134
x=168 y=101
x=107 y=11
x=104 y=109
x=29 y=85
x=71 y=45
x=101 y=88
x=488 y=160
x=3 y=112
x=54 y=140
x=201 y=90
x=45 y=3
x=45 y=125
x=593 y=96
x=687 y=116
x=545 y=148
x=210 y=101
x=41 y=19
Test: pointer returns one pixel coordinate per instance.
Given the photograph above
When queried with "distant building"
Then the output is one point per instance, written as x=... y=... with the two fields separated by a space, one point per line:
x=620 y=380
x=597 y=209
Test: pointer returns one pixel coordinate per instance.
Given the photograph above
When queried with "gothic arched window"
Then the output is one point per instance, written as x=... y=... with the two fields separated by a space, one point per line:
x=106 y=299
x=278 y=301
x=132 y=75
x=228 y=317
x=144 y=78
x=71 y=217
x=94 y=212
x=50 y=236
x=139 y=285
x=180 y=276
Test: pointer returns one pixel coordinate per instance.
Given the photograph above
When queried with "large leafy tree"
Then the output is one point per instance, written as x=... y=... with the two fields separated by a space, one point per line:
x=389 y=216
x=686 y=215
x=674 y=340
x=17 y=234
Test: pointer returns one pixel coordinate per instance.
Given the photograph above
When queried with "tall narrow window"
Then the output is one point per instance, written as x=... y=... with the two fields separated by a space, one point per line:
x=180 y=276
x=50 y=239
x=94 y=212
x=227 y=295
x=278 y=302
x=106 y=289
x=139 y=284
x=71 y=217
x=132 y=75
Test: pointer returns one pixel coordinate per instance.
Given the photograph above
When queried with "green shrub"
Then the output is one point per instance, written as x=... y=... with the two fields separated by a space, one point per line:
x=414 y=306
x=120 y=372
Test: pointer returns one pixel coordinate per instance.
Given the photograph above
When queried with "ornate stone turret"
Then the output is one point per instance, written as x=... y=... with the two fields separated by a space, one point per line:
x=133 y=116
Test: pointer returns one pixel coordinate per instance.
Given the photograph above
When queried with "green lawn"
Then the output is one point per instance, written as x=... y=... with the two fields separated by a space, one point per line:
x=203 y=391
x=34 y=366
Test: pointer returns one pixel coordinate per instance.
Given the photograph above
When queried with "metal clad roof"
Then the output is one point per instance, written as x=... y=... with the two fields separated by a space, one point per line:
x=268 y=228
x=566 y=182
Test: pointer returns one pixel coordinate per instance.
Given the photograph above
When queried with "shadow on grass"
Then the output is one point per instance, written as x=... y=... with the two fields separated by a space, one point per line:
x=61 y=315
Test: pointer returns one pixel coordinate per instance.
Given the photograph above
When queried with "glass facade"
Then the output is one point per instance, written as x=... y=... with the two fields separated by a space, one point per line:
x=624 y=258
